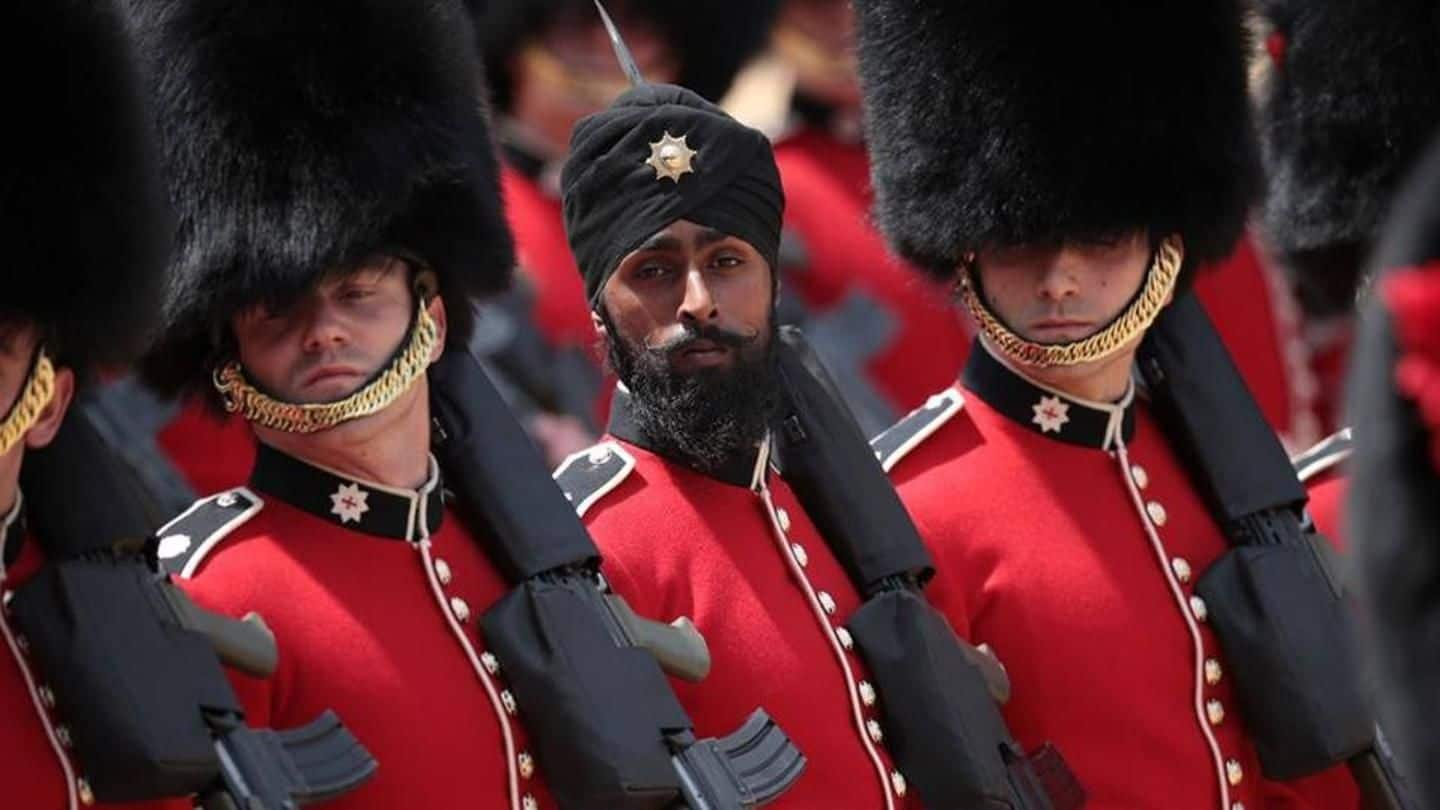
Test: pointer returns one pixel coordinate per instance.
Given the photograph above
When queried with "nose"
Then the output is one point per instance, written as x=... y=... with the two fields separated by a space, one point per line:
x=324 y=329
x=698 y=305
x=1057 y=281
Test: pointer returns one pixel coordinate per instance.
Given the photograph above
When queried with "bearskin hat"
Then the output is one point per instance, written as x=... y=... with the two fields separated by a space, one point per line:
x=300 y=138
x=1350 y=94
x=712 y=38
x=83 y=206
x=1394 y=516
x=1024 y=122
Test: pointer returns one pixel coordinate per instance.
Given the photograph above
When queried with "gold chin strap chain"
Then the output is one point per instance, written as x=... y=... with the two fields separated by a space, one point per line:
x=243 y=398
x=39 y=388
x=1142 y=312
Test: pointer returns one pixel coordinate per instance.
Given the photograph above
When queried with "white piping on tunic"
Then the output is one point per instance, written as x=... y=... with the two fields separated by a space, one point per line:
x=428 y=563
x=759 y=486
x=1123 y=457
x=19 y=657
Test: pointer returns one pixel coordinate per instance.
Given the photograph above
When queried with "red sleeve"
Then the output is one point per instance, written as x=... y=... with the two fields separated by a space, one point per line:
x=1334 y=789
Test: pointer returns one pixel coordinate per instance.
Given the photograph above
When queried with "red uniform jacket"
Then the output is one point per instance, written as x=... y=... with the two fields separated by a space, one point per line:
x=752 y=572
x=213 y=451
x=36 y=773
x=827 y=209
x=1068 y=538
x=1322 y=469
x=374 y=595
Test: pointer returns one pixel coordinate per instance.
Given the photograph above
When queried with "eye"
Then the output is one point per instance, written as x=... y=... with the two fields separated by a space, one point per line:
x=652 y=270
x=728 y=260
x=356 y=293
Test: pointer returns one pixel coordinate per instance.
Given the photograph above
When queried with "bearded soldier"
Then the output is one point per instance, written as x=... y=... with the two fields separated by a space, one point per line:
x=339 y=206
x=1067 y=169
x=85 y=223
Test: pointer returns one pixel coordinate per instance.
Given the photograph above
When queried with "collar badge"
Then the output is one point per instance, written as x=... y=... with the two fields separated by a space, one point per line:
x=348 y=503
x=671 y=157
x=1051 y=414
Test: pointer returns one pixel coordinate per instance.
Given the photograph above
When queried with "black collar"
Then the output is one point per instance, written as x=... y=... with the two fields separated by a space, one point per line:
x=12 y=534
x=739 y=469
x=1045 y=410
x=400 y=514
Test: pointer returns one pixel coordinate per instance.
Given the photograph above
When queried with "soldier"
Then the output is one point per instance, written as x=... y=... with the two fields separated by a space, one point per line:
x=549 y=63
x=673 y=211
x=338 y=204
x=86 y=227
x=1395 y=395
x=1067 y=169
x=1347 y=99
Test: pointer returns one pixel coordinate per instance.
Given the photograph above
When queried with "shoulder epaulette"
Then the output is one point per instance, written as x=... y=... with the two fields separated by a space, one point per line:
x=587 y=476
x=1329 y=452
x=186 y=540
x=899 y=439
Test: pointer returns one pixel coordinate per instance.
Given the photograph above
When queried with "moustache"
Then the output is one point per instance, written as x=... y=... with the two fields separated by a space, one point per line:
x=694 y=334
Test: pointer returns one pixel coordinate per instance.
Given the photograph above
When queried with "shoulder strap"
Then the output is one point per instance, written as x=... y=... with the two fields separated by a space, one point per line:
x=896 y=441
x=184 y=541
x=1327 y=453
x=589 y=475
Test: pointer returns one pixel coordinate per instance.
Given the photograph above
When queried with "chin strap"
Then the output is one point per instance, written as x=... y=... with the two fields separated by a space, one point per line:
x=1138 y=316
x=407 y=366
x=39 y=388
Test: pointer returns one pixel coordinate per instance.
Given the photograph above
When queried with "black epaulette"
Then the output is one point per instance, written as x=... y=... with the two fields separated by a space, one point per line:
x=184 y=541
x=899 y=439
x=1327 y=453
x=585 y=477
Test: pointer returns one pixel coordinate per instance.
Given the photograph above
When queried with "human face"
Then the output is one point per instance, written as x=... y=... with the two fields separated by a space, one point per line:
x=331 y=340
x=1060 y=294
x=694 y=293
x=817 y=38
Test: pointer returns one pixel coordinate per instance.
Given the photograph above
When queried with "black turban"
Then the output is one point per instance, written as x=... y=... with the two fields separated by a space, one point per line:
x=614 y=199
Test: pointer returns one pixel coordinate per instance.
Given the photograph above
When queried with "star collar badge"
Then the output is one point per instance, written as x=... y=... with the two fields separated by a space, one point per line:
x=348 y=503
x=1051 y=414
x=671 y=157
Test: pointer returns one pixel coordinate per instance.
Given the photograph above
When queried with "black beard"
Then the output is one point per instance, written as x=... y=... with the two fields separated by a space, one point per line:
x=706 y=418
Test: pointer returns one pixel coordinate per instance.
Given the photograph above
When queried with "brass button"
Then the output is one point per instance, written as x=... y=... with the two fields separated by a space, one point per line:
x=827 y=602
x=443 y=572
x=1197 y=607
x=490 y=662
x=508 y=701
x=87 y=796
x=5 y=600
x=600 y=455
x=846 y=640
x=461 y=610
x=47 y=696
x=1156 y=513
x=529 y=803
x=1237 y=806
x=1215 y=712
x=799 y=553
x=1139 y=476
x=873 y=729
x=1234 y=774
x=867 y=693
x=1181 y=567
x=226 y=501
x=527 y=765
x=62 y=736
x=897 y=781
x=783 y=518
x=1213 y=672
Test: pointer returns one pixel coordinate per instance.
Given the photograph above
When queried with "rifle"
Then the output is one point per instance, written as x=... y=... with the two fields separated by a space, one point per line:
x=134 y=666
x=1275 y=601
x=607 y=725
x=941 y=694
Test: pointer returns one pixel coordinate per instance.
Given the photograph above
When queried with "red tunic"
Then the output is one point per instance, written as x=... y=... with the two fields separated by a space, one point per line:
x=827 y=206
x=212 y=450
x=753 y=574
x=35 y=771
x=1068 y=538
x=374 y=596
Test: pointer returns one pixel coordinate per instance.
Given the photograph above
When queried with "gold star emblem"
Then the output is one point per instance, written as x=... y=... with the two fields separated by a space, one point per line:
x=671 y=157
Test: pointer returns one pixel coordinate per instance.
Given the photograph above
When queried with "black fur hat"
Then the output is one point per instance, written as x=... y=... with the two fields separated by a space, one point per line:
x=1349 y=98
x=712 y=38
x=81 y=202
x=300 y=137
x=1394 y=516
x=1023 y=122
